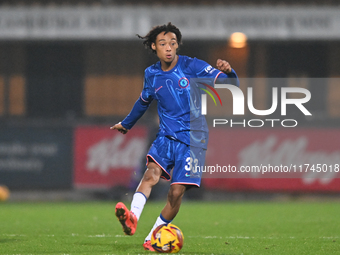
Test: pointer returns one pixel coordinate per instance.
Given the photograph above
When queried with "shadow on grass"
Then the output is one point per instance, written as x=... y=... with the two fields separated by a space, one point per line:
x=120 y=248
x=92 y=244
x=9 y=240
x=125 y=248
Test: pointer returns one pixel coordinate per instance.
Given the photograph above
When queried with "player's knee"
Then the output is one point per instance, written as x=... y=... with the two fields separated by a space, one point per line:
x=152 y=174
x=176 y=192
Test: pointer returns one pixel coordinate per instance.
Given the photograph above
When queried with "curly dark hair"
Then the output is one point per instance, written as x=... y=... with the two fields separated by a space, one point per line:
x=152 y=35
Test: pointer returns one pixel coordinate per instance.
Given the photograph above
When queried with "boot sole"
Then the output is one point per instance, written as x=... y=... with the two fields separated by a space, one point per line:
x=120 y=213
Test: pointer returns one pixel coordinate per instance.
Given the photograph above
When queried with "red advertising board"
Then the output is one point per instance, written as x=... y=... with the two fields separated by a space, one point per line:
x=273 y=160
x=105 y=158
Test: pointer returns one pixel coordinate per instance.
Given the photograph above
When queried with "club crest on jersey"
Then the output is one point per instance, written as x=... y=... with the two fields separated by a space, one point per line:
x=183 y=82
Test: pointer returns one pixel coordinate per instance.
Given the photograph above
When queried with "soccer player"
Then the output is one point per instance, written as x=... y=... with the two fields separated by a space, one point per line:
x=182 y=139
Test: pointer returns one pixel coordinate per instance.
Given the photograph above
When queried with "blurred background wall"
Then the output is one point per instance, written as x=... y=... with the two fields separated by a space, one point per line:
x=70 y=69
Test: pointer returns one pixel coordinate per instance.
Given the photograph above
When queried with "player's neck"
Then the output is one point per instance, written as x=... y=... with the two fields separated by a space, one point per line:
x=167 y=66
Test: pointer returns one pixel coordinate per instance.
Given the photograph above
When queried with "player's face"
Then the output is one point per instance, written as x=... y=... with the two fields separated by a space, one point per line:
x=166 y=46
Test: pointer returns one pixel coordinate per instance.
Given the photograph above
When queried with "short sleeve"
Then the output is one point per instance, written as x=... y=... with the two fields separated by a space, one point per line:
x=210 y=74
x=204 y=70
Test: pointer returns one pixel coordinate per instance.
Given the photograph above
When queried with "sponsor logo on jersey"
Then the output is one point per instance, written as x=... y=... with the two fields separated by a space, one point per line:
x=209 y=69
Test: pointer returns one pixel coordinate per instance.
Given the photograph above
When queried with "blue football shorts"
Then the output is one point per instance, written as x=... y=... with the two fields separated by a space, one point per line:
x=184 y=160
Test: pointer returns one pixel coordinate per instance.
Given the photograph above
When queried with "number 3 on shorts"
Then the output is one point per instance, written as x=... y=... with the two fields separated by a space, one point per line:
x=191 y=164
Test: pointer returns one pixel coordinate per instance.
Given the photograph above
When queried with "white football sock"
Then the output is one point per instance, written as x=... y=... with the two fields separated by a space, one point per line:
x=160 y=220
x=137 y=204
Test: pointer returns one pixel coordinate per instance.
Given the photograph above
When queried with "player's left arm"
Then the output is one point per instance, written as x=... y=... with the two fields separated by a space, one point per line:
x=222 y=74
x=227 y=72
x=223 y=66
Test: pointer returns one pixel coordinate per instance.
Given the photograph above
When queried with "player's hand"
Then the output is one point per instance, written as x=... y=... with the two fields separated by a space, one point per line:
x=120 y=128
x=223 y=66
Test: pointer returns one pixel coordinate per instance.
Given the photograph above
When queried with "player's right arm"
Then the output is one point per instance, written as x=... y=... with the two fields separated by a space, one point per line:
x=120 y=128
x=139 y=108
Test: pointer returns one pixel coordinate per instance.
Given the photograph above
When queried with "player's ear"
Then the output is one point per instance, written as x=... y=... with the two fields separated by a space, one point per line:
x=153 y=46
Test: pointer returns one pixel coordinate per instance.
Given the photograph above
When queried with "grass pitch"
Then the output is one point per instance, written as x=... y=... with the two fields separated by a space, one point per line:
x=208 y=228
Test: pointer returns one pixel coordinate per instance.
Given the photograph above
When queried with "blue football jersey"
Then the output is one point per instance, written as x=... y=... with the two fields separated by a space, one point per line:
x=178 y=101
